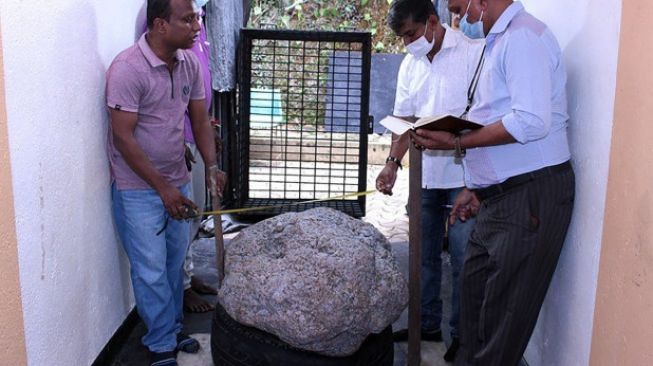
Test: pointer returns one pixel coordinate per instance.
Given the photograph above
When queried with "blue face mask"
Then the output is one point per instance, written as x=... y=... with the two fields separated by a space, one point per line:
x=472 y=30
x=201 y=3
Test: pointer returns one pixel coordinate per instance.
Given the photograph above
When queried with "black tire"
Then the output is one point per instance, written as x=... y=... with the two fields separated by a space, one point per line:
x=233 y=344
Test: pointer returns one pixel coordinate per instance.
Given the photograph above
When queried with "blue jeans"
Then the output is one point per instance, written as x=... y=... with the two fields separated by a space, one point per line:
x=434 y=216
x=156 y=262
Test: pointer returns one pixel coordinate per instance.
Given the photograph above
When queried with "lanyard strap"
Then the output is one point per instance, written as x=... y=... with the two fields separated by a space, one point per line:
x=474 y=83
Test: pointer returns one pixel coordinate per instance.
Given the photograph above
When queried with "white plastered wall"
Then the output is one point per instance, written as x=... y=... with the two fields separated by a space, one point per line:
x=588 y=33
x=73 y=272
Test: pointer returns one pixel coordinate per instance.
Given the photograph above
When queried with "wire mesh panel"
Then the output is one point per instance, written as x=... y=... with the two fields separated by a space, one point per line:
x=304 y=121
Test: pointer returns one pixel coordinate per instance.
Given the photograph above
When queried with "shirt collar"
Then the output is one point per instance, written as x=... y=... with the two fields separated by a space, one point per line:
x=449 y=40
x=505 y=18
x=151 y=57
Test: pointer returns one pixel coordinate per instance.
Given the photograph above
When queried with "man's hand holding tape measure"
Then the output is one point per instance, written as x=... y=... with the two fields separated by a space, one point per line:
x=180 y=207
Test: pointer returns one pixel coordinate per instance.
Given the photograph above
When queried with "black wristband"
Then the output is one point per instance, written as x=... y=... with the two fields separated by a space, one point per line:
x=394 y=160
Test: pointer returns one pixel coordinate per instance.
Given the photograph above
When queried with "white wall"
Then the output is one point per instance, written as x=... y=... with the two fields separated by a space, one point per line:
x=74 y=275
x=588 y=32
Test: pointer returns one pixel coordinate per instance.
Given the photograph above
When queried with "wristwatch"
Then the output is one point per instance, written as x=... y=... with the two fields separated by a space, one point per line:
x=394 y=160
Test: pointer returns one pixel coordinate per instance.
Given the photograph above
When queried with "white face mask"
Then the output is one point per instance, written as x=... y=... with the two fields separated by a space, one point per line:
x=421 y=46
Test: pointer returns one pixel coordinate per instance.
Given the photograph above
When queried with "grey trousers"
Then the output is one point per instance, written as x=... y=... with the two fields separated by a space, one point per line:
x=511 y=256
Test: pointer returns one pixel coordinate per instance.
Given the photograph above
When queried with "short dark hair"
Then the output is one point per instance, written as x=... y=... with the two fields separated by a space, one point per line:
x=402 y=11
x=158 y=9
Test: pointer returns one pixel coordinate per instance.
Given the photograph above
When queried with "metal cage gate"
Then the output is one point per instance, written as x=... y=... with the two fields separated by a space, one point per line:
x=303 y=121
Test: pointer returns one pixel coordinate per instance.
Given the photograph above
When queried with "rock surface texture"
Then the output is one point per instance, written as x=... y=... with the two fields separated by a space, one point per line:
x=319 y=280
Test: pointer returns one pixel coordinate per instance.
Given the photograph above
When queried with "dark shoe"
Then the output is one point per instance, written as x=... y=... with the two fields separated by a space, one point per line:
x=187 y=344
x=430 y=336
x=163 y=359
x=450 y=356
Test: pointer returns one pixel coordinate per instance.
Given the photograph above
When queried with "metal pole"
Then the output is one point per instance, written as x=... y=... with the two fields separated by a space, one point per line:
x=415 y=256
x=219 y=239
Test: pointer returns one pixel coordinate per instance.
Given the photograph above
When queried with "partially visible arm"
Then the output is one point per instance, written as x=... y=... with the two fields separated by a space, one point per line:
x=403 y=106
x=528 y=68
x=122 y=126
x=399 y=146
x=490 y=135
x=399 y=143
x=204 y=139
x=388 y=175
x=466 y=205
x=202 y=132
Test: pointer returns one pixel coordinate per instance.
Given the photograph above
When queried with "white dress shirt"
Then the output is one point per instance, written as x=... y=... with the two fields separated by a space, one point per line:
x=429 y=88
x=522 y=83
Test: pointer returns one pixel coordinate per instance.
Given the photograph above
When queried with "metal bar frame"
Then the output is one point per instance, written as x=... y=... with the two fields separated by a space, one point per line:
x=241 y=150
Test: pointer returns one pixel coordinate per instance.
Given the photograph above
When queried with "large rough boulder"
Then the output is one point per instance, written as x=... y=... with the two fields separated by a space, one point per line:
x=319 y=280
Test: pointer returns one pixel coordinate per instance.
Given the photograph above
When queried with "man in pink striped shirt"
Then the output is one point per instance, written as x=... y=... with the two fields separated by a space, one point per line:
x=150 y=86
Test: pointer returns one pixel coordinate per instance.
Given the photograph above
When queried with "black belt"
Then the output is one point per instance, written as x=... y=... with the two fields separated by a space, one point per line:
x=517 y=180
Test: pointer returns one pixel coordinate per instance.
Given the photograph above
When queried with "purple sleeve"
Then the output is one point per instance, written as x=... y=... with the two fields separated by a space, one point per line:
x=198 y=80
x=124 y=87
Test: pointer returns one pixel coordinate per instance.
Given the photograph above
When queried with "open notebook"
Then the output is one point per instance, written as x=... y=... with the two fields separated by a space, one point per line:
x=445 y=122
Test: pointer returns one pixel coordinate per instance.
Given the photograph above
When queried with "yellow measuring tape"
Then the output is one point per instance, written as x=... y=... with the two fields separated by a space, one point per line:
x=261 y=208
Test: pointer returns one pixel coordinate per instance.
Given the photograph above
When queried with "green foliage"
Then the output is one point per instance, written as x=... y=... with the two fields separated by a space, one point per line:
x=303 y=94
x=347 y=15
